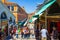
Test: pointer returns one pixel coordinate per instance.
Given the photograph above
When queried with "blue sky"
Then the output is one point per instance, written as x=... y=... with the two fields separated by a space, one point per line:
x=29 y=5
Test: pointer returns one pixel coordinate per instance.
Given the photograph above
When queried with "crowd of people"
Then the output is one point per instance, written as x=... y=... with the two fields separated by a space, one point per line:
x=25 y=33
x=45 y=35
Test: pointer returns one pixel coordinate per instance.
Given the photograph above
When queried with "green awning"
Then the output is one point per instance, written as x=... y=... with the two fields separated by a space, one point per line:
x=41 y=10
x=30 y=20
x=34 y=18
x=45 y=7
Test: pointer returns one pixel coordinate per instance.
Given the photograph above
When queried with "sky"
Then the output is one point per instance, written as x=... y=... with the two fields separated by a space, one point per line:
x=29 y=5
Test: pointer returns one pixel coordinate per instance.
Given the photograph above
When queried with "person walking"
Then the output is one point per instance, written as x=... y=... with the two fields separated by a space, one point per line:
x=22 y=34
x=54 y=34
x=17 y=33
x=44 y=33
x=26 y=32
x=1 y=34
x=37 y=34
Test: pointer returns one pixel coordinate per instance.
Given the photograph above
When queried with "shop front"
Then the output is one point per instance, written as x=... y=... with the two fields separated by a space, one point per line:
x=53 y=22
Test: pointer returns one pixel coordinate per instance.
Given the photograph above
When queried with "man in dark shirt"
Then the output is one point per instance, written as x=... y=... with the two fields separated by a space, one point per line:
x=1 y=33
x=55 y=34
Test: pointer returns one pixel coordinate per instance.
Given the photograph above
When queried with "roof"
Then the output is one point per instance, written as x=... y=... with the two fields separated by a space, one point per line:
x=11 y=3
x=54 y=9
x=44 y=7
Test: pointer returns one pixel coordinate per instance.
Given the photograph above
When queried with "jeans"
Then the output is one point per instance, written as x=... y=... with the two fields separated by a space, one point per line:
x=16 y=35
x=26 y=35
x=22 y=35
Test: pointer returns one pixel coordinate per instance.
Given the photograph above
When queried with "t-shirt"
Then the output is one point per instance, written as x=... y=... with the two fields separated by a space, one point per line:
x=16 y=31
x=43 y=33
x=26 y=31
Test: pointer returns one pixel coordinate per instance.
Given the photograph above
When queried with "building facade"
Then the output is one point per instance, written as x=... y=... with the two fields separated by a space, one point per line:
x=17 y=11
x=6 y=17
x=51 y=17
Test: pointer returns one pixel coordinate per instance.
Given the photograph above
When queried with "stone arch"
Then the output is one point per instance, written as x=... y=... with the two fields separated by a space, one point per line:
x=3 y=15
x=54 y=9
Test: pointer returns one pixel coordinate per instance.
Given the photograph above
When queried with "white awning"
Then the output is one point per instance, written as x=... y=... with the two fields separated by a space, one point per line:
x=25 y=23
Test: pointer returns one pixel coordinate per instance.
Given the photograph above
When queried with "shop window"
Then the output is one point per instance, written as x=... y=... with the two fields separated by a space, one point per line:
x=3 y=15
x=52 y=24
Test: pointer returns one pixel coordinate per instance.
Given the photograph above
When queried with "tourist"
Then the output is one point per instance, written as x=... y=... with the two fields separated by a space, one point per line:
x=54 y=34
x=1 y=34
x=17 y=33
x=44 y=33
x=9 y=37
x=22 y=34
x=37 y=33
x=14 y=30
x=26 y=32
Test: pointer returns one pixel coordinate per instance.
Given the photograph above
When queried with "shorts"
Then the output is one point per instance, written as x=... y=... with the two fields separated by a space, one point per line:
x=44 y=38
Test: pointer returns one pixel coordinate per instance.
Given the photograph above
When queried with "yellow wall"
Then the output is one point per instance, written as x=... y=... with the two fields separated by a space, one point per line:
x=16 y=14
x=16 y=17
x=15 y=8
x=3 y=1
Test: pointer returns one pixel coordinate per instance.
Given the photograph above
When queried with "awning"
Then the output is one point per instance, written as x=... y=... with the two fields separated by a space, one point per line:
x=34 y=18
x=22 y=23
x=25 y=23
x=45 y=7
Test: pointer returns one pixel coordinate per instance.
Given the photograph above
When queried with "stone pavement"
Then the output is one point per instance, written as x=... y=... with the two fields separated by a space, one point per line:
x=19 y=38
x=25 y=39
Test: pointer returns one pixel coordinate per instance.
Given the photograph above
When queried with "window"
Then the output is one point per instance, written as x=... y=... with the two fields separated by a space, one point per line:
x=10 y=21
x=12 y=8
x=8 y=7
x=3 y=15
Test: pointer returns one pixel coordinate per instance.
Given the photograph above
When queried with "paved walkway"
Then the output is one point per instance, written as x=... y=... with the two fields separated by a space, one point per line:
x=19 y=38
x=25 y=39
